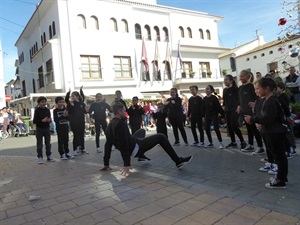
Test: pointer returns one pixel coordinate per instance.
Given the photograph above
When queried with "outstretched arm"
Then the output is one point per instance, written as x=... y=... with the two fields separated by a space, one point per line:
x=82 y=94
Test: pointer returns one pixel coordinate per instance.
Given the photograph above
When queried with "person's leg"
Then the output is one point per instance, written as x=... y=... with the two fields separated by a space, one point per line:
x=65 y=139
x=200 y=128
x=257 y=135
x=148 y=143
x=75 y=130
x=81 y=135
x=47 y=136
x=182 y=130
x=216 y=127
x=207 y=128
x=250 y=134
x=193 y=128
x=60 y=140
x=229 y=126
x=175 y=129
x=39 y=142
x=97 y=136
x=268 y=149
x=235 y=126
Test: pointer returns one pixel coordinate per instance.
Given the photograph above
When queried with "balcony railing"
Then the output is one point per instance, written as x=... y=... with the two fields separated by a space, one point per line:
x=200 y=74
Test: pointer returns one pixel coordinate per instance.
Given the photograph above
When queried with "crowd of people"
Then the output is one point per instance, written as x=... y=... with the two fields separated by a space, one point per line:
x=259 y=102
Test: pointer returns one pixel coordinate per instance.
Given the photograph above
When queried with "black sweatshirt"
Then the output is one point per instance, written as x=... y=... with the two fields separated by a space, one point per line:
x=117 y=134
x=59 y=118
x=174 y=109
x=211 y=106
x=195 y=106
x=76 y=112
x=231 y=98
x=271 y=117
x=285 y=102
x=246 y=95
x=99 y=109
x=135 y=113
x=160 y=118
x=39 y=115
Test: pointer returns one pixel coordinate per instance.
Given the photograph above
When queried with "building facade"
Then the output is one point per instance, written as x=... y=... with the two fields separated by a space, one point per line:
x=138 y=47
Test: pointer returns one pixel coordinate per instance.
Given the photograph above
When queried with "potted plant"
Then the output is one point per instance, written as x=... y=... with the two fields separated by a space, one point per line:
x=224 y=72
x=209 y=73
x=191 y=74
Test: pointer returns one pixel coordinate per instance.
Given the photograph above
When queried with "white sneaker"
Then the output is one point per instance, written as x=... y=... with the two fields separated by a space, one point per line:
x=63 y=157
x=274 y=169
x=99 y=150
x=40 y=160
x=84 y=151
x=76 y=152
x=50 y=159
x=221 y=145
x=201 y=145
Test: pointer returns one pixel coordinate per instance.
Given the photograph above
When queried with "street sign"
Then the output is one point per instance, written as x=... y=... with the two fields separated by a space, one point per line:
x=8 y=98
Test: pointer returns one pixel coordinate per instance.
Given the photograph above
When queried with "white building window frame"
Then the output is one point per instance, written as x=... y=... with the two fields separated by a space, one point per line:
x=90 y=67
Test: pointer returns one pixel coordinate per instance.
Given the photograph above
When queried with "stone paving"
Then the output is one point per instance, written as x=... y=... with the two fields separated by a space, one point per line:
x=217 y=187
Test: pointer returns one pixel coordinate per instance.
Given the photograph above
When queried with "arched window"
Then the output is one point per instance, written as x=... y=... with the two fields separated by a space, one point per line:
x=148 y=32
x=138 y=31
x=42 y=40
x=167 y=72
x=44 y=37
x=156 y=70
x=232 y=64
x=50 y=31
x=94 y=23
x=181 y=32
x=113 y=25
x=208 y=35
x=157 y=33
x=36 y=46
x=33 y=86
x=53 y=28
x=201 y=34
x=81 y=21
x=124 y=26
x=145 y=75
x=189 y=32
x=165 y=34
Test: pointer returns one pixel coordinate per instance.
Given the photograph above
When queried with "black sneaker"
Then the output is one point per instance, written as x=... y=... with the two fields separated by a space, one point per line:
x=249 y=148
x=275 y=184
x=143 y=159
x=288 y=155
x=293 y=151
x=183 y=161
x=176 y=143
x=231 y=145
x=195 y=143
x=69 y=156
x=243 y=145
x=210 y=145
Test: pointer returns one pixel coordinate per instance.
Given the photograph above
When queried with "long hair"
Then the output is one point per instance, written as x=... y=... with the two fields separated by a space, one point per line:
x=176 y=91
x=230 y=77
x=76 y=94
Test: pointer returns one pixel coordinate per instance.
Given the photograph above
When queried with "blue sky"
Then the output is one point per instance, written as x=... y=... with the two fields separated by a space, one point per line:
x=241 y=20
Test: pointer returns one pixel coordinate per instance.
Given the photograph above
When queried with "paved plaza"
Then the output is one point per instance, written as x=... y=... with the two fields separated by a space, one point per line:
x=217 y=187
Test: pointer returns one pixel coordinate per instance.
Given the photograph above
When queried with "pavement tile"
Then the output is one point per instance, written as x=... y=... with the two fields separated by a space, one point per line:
x=130 y=217
x=157 y=219
x=104 y=203
x=85 y=200
x=13 y=198
x=19 y=210
x=149 y=210
x=252 y=212
x=2 y=215
x=105 y=214
x=235 y=219
x=205 y=216
x=126 y=206
x=208 y=197
x=38 y=214
x=187 y=221
x=58 y=218
x=84 y=220
x=282 y=217
x=57 y=208
x=15 y=220
x=231 y=202
x=6 y=206
x=176 y=213
x=82 y=210
x=220 y=208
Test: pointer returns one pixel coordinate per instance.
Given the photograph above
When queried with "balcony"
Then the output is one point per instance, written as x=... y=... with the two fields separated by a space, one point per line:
x=200 y=76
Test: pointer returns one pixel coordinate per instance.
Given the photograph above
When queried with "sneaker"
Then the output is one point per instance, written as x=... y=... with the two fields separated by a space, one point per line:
x=69 y=156
x=40 y=160
x=293 y=151
x=259 y=151
x=201 y=145
x=63 y=157
x=176 y=143
x=195 y=143
x=221 y=145
x=183 y=161
x=76 y=152
x=210 y=145
x=50 y=158
x=143 y=159
x=273 y=169
x=83 y=151
x=99 y=150
x=276 y=184
x=243 y=145
x=231 y=145
x=266 y=167
x=264 y=160
x=288 y=155
x=273 y=178
x=186 y=144
x=248 y=148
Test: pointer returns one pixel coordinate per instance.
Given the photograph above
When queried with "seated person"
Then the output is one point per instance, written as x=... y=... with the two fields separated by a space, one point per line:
x=21 y=125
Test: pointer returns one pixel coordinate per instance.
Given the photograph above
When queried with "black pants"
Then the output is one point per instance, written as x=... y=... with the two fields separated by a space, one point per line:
x=40 y=134
x=63 y=138
x=268 y=149
x=177 y=124
x=135 y=126
x=78 y=129
x=215 y=120
x=232 y=119
x=162 y=129
x=253 y=131
x=196 y=120
x=276 y=144
x=98 y=125
x=145 y=144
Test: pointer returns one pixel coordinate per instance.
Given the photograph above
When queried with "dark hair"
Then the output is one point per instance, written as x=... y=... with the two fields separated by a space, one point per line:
x=267 y=82
x=174 y=89
x=77 y=94
x=118 y=91
x=230 y=77
x=117 y=106
x=98 y=94
x=194 y=86
x=268 y=75
x=281 y=85
x=135 y=98
x=59 y=98
x=41 y=98
x=160 y=104
x=212 y=89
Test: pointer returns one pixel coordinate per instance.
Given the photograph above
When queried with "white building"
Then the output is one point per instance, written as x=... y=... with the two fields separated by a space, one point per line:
x=2 y=82
x=97 y=44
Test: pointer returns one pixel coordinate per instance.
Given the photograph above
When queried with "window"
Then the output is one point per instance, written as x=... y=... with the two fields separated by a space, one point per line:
x=290 y=46
x=181 y=32
x=42 y=40
x=189 y=32
x=232 y=64
x=41 y=77
x=208 y=35
x=167 y=72
x=81 y=22
x=36 y=46
x=24 y=92
x=156 y=70
x=90 y=67
x=138 y=32
x=145 y=71
x=165 y=34
x=124 y=26
x=53 y=28
x=94 y=23
x=205 y=69
x=49 y=72
x=248 y=59
x=201 y=34
x=50 y=31
x=33 y=86
x=270 y=52
x=254 y=57
x=148 y=33
x=187 y=68
x=262 y=54
x=113 y=25
x=122 y=67
x=157 y=33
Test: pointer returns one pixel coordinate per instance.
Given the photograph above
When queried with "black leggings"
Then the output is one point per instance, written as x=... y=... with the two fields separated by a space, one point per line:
x=214 y=119
x=78 y=134
x=196 y=120
x=178 y=124
x=98 y=125
x=232 y=119
x=253 y=131
x=145 y=144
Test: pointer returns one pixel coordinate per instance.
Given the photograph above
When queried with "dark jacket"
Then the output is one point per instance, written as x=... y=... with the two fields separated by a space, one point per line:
x=231 y=98
x=292 y=79
x=246 y=95
x=39 y=115
x=99 y=109
x=59 y=118
x=160 y=118
x=174 y=109
x=135 y=114
x=211 y=106
x=195 y=107
x=76 y=112
x=117 y=134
